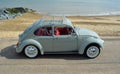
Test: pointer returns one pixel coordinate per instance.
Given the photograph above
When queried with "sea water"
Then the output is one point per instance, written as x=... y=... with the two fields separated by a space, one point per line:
x=68 y=7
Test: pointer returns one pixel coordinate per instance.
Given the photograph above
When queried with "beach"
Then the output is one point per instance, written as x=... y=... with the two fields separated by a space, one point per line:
x=108 y=25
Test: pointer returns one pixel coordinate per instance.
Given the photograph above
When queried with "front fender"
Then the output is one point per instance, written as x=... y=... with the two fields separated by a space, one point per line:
x=28 y=42
x=89 y=40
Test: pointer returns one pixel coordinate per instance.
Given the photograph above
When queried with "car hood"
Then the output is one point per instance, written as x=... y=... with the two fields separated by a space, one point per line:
x=83 y=31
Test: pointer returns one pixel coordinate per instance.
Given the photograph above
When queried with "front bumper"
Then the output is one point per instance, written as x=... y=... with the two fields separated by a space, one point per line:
x=101 y=42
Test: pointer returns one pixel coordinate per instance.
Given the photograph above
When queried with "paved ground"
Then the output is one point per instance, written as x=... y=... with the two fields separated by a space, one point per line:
x=107 y=63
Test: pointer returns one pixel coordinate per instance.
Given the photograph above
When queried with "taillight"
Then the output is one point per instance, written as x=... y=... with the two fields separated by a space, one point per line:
x=17 y=43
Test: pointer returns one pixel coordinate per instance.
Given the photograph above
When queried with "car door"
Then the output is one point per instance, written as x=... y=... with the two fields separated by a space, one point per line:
x=64 y=42
x=44 y=38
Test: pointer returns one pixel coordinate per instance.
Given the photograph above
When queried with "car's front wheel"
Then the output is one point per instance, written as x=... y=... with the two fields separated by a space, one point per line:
x=92 y=51
x=31 y=51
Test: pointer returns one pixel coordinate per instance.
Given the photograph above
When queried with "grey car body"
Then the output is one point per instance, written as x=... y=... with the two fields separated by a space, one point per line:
x=77 y=41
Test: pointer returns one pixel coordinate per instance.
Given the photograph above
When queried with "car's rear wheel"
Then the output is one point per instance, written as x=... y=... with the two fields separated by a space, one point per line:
x=92 y=51
x=31 y=51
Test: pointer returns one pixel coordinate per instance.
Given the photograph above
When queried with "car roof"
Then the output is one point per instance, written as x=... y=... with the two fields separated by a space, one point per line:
x=56 y=22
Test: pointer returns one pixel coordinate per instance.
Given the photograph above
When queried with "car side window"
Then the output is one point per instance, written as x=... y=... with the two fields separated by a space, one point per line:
x=63 y=31
x=43 y=31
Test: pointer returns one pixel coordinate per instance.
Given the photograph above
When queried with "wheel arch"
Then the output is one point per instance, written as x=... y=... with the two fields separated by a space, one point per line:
x=32 y=42
x=94 y=44
x=88 y=42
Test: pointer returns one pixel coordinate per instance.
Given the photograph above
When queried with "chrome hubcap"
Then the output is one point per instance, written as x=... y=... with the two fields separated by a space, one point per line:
x=31 y=51
x=92 y=51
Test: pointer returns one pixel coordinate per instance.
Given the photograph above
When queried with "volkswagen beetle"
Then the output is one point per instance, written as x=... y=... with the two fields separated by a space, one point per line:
x=58 y=36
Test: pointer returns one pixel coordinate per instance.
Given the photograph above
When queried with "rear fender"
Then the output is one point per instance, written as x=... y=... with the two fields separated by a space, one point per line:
x=31 y=42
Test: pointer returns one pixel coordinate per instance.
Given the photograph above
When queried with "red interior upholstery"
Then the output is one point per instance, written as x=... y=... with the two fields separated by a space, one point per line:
x=39 y=32
x=61 y=31
x=43 y=32
x=57 y=31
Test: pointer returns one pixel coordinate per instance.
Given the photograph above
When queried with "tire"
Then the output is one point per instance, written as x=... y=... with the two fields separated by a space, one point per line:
x=31 y=51
x=92 y=51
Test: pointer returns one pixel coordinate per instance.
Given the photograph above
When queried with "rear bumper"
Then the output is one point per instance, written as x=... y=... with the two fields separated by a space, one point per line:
x=18 y=49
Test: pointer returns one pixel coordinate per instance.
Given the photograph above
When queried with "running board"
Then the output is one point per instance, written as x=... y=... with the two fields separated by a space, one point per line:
x=72 y=52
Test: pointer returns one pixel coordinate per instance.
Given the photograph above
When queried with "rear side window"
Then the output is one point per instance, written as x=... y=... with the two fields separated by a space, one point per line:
x=43 y=31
